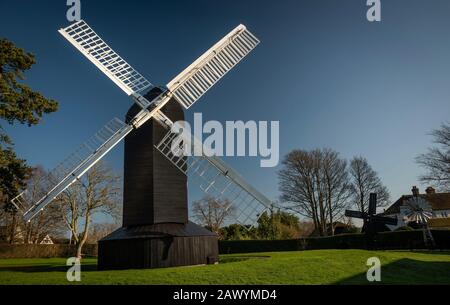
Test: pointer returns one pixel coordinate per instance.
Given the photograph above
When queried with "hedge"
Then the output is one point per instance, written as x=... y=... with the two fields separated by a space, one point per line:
x=442 y=238
x=401 y=240
x=44 y=251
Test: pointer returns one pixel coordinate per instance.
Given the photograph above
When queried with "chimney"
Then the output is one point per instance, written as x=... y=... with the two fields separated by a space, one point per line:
x=415 y=191
x=431 y=191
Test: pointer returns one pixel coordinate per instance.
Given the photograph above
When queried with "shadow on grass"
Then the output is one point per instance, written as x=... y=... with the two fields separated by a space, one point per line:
x=407 y=272
x=45 y=268
x=93 y=267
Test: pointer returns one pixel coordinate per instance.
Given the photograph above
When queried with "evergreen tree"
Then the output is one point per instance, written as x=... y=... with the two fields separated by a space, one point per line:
x=18 y=104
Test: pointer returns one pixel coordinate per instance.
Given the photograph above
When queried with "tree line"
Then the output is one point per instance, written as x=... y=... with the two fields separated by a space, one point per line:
x=316 y=185
x=98 y=192
x=320 y=185
x=217 y=216
x=71 y=214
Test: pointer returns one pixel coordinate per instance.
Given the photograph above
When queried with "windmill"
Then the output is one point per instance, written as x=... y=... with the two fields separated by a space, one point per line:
x=372 y=221
x=215 y=177
x=418 y=211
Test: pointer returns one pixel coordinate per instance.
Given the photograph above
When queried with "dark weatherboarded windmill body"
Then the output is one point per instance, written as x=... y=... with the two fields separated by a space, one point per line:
x=156 y=231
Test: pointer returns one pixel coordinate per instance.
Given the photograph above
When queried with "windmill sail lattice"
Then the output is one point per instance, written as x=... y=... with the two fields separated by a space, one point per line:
x=72 y=168
x=214 y=177
x=83 y=37
x=212 y=66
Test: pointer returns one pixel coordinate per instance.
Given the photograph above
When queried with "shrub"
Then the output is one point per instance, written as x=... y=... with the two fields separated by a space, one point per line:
x=442 y=239
x=399 y=240
x=254 y=246
x=43 y=251
x=345 y=241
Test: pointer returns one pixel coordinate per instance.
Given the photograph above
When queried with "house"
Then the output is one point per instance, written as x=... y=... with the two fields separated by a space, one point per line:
x=46 y=241
x=5 y=235
x=439 y=202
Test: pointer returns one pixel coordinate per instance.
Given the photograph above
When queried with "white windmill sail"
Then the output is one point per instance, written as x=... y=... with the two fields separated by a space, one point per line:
x=71 y=169
x=205 y=72
x=83 y=37
x=215 y=178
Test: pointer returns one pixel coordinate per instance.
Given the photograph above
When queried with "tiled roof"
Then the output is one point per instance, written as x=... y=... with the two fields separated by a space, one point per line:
x=439 y=223
x=438 y=201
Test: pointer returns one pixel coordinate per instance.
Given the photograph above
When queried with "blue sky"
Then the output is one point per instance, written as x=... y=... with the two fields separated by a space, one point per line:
x=329 y=76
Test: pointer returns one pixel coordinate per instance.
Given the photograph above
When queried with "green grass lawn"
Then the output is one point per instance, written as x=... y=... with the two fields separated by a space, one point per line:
x=309 y=267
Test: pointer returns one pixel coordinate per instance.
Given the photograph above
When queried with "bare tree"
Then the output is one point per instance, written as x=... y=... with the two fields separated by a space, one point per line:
x=437 y=161
x=315 y=185
x=98 y=192
x=100 y=231
x=212 y=213
x=306 y=229
x=9 y=225
x=337 y=185
x=364 y=181
x=71 y=210
x=49 y=221
x=10 y=229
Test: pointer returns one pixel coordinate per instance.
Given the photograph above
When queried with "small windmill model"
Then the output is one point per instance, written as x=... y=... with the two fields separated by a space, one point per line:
x=216 y=178
x=372 y=221
x=417 y=210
